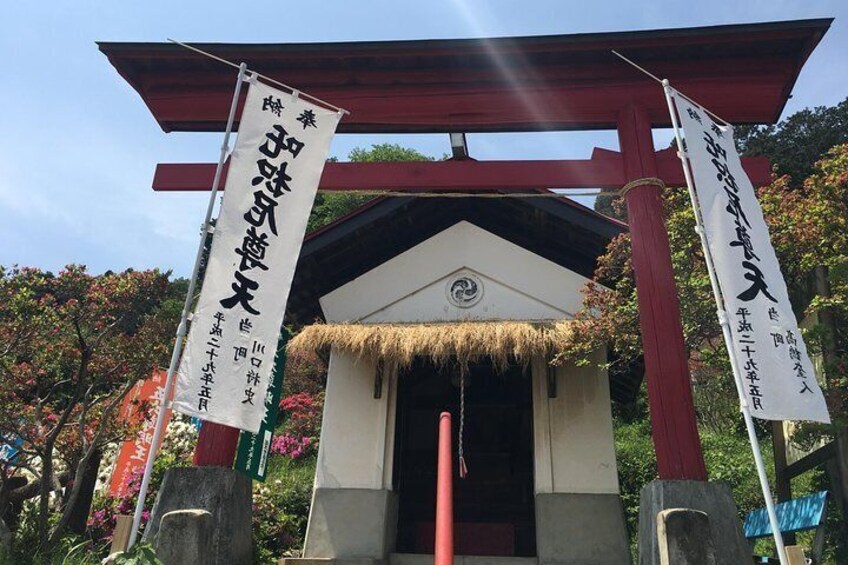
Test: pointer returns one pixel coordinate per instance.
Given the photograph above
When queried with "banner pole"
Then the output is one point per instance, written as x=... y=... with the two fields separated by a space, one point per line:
x=182 y=328
x=725 y=330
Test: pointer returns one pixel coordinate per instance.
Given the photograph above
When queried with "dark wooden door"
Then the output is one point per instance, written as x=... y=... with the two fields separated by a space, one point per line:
x=493 y=506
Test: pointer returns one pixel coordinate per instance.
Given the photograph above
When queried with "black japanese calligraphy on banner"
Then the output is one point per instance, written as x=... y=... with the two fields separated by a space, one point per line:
x=776 y=373
x=273 y=177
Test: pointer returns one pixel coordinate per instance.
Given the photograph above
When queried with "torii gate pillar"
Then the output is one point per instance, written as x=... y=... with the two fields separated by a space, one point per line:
x=672 y=410
x=216 y=445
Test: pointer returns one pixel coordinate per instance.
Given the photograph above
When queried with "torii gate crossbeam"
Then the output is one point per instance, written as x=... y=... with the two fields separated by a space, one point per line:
x=605 y=170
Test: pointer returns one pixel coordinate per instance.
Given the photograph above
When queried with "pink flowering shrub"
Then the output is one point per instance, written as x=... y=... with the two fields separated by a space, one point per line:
x=301 y=417
x=298 y=404
x=291 y=446
x=101 y=522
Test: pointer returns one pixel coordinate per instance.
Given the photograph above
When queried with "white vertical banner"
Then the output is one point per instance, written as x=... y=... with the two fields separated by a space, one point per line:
x=778 y=379
x=275 y=167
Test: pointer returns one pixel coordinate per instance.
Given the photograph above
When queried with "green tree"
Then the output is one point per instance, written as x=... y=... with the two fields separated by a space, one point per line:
x=809 y=229
x=611 y=204
x=330 y=206
x=71 y=346
x=795 y=144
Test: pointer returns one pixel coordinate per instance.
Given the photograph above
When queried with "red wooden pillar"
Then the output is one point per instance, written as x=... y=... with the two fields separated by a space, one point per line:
x=673 y=424
x=216 y=445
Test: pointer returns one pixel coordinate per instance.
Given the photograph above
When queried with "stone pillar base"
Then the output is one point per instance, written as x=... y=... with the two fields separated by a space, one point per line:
x=185 y=536
x=684 y=537
x=584 y=529
x=351 y=524
x=224 y=493
x=713 y=498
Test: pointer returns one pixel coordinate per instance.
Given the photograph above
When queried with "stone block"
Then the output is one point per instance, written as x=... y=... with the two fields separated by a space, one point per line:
x=713 y=498
x=581 y=529
x=684 y=537
x=347 y=523
x=185 y=536
x=225 y=494
x=327 y=561
x=424 y=559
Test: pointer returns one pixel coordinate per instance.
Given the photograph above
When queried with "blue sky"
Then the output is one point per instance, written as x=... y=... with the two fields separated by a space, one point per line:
x=79 y=149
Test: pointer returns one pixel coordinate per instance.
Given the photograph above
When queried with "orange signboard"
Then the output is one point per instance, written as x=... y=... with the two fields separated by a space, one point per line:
x=134 y=452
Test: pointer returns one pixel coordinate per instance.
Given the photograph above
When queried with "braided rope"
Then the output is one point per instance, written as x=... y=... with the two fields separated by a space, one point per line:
x=463 y=471
x=647 y=181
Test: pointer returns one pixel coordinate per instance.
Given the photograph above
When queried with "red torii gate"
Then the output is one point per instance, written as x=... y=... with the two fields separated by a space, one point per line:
x=744 y=73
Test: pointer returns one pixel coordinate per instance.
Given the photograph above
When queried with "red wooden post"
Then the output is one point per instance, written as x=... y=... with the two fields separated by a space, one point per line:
x=673 y=424
x=216 y=446
x=444 y=494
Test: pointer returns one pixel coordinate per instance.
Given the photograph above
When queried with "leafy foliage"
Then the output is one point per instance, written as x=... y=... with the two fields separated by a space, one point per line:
x=139 y=554
x=329 y=206
x=796 y=143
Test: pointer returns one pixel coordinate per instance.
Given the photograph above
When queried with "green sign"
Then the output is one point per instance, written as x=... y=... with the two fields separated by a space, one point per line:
x=253 y=449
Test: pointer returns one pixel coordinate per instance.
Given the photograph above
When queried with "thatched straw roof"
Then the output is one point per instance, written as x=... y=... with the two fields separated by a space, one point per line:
x=442 y=343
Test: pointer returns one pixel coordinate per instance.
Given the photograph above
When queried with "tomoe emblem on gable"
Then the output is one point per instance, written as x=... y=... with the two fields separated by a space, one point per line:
x=464 y=290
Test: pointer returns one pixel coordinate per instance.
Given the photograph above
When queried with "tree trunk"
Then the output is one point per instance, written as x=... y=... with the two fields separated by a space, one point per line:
x=830 y=350
x=43 y=502
x=11 y=502
x=79 y=478
x=830 y=358
x=78 y=512
x=839 y=479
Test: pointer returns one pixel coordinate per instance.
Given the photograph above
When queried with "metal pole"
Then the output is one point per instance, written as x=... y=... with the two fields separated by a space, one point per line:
x=725 y=330
x=181 y=329
x=444 y=495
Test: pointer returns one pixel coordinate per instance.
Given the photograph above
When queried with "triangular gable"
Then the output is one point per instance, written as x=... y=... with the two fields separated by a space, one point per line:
x=415 y=286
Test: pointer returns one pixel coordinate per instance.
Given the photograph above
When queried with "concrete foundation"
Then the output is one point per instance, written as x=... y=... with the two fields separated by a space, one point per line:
x=225 y=494
x=581 y=529
x=349 y=523
x=713 y=498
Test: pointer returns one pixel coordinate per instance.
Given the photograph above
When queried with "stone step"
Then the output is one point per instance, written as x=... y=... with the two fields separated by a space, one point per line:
x=327 y=561
x=423 y=559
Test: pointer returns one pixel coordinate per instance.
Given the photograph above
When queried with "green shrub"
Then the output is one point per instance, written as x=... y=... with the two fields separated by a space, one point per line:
x=281 y=508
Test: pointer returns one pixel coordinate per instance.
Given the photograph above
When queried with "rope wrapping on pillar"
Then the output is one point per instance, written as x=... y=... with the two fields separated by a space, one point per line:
x=647 y=181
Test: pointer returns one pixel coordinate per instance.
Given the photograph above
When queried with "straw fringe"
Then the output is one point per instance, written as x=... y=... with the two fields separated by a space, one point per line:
x=443 y=343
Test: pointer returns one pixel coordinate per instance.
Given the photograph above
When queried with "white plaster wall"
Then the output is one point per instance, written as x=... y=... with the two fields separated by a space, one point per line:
x=356 y=439
x=573 y=437
x=517 y=284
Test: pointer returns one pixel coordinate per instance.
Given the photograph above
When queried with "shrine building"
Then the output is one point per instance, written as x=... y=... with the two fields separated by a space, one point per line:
x=538 y=441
